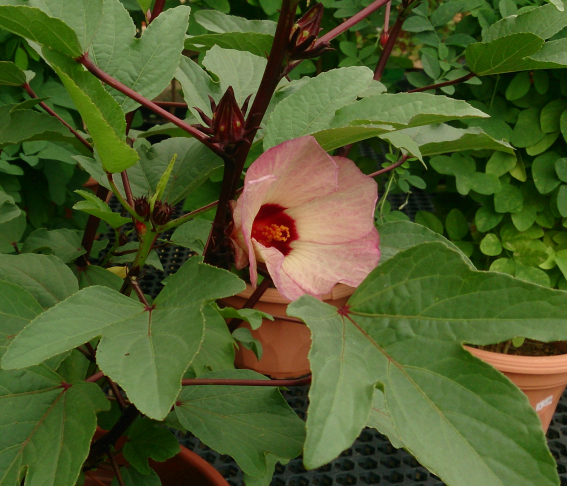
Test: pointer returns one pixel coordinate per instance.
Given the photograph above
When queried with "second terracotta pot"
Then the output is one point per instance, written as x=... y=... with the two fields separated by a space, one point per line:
x=285 y=344
x=542 y=378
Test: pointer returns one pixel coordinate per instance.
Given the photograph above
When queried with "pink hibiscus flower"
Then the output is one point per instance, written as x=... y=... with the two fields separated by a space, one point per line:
x=309 y=217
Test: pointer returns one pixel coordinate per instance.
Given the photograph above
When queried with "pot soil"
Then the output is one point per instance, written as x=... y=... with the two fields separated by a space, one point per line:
x=542 y=378
x=183 y=469
x=285 y=344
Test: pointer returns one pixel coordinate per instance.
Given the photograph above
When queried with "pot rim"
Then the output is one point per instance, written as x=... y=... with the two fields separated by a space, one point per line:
x=273 y=296
x=530 y=365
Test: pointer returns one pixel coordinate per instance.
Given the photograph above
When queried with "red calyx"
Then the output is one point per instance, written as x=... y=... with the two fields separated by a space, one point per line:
x=142 y=206
x=162 y=213
x=384 y=36
x=140 y=228
x=304 y=35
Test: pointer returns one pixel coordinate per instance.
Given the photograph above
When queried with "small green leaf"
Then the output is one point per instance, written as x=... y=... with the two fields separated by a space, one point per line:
x=11 y=232
x=95 y=206
x=62 y=243
x=562 y=200
x=509 y=199
x=148 y=439
x=490 y=245
x=132 y=477
x=527 y=131
x=544 y=174
x=429 y=220
x=251 y=316
x=561 y=169
x=244 y=422
x=519 y=86
x=257 y=44
x=193 y=235
x=216 y=21
x=11 y=75
x=145 y=5
x=456 y=224
x=500 y=163
x=244 y=337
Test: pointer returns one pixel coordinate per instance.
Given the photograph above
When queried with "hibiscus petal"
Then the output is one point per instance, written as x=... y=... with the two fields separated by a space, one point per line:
x=303 y=170
x=342 y=216
x=249 y=204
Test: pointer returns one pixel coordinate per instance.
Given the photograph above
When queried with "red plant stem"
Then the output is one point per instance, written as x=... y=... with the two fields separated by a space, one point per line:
x=102 y=445
x=171 y=104
x=90 y=231
x=78 y=136
x=387 y=16
x=93 y=378
x=287 y=318
x=355 y=19
x=91 y=476
x=86 y=354
x=117 y=85
x=251 y=302
x=462 y=79
x=270 y=79
x=393 y=37
x=229 y=382
x=390 y=167
x=136 y=286
x=127 y=188
x=158 y=9
x=116 y=469
x=116 y=393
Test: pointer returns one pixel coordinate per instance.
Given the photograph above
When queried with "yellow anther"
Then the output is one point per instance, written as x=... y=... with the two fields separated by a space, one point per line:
x=275 y=232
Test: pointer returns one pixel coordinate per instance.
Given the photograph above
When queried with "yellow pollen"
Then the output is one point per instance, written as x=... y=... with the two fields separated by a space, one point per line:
x=238 y=124
x=222 y=128
x=275 y=232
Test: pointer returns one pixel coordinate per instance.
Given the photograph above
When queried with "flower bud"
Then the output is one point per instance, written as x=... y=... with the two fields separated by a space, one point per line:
x=304 y=35
x=142 y=206
x=141 y=227
x=162 y=213
x=384 y=36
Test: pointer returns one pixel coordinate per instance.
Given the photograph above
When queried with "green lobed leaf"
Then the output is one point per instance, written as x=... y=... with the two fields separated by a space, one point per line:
x=11 y=232
x=93 y=275
x=147 y=365
x=251 y=316
x=35 y=25
x=146 y=64
x=310 y=109
x=246 y=422
x=413 y=347
x=11 y=75
x=132 y=477
x=148 y=439
x=101 y=113
x=380 y=419
x=48 y=426
x=62 y=243
x=95 y=206
x=241 y=70
x=17 y=308
x=46 y=277
x=257 y=44
x=339 y=137
x=192 y=235
x=216 y=21
x=404 y=110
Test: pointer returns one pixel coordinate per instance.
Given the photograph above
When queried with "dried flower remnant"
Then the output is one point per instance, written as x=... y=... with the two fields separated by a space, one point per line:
x=309 y=217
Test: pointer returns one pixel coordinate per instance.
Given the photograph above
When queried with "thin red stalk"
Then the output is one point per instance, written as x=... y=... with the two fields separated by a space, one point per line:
x=387 y=16
x=355 y=19
x=97 y=376
x=385 y=55
x=251 y=302
x=127 y=188
x=462 y=79
x=90 y=349
x=287 y=318
x=86 y=354
x=158 y=9
x=116 y=392
x=91 y=231
x=171 y=104
x=390 y=167
x=229 y=382
x=117 y=85
x=91 y=476
x=116 y=469
x=139 y=292
x=78 y=136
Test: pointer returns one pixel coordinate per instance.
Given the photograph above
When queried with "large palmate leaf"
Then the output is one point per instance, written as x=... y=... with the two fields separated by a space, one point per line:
x=216 y=21
x=339 y=137
x=146 y=64
x=403 y=328
x=82 y=16
x=145 y=350
x=310 y=109
x=47 y=426
x=404 y=110
x=36 y=25
x=193 y=166
x=103 y=116
x=20 y=125
x=246 y=422
x=17 y=308
x=63 y=243
x=381 y=420
x=258 y=44
x=197 y=86
x=11 y=75
x=241 y=70
x=46 y=277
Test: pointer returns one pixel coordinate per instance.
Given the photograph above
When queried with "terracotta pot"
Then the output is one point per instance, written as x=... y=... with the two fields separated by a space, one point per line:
x=183 y=469
x=542 y=378
x=285 y=344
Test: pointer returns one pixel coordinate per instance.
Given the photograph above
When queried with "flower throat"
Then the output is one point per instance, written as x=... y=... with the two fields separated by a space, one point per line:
x=272 y=227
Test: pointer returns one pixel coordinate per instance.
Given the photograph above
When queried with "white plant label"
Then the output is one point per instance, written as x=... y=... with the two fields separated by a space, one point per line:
x=544 y=403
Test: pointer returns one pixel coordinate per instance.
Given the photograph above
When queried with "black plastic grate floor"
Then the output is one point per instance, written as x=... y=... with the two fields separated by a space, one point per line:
x=371 y=459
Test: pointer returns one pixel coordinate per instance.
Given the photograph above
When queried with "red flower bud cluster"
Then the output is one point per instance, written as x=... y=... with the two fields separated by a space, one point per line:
x=162 y=213
x=304 y=35
x=142 y=206
x=227 y=126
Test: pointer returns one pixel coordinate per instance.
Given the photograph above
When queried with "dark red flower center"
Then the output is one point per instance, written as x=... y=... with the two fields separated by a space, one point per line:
x=274 y=228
